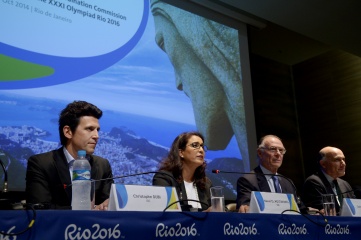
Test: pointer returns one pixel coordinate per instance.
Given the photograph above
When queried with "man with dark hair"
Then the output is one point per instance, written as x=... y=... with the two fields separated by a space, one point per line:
x=270 y=154
x=332 y=166
x=48 y=176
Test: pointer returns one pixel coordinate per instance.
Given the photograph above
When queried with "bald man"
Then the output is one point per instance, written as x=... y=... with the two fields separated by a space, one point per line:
x=332 y=166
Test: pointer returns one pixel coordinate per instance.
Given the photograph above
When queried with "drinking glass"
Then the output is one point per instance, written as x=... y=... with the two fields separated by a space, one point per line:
x=217 y=199
x=328 y=201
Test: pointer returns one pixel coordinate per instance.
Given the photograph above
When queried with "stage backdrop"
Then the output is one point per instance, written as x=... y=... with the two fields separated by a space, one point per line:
x=154 y=69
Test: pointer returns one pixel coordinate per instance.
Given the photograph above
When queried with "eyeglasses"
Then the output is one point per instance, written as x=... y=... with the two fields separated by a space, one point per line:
x=275 y=149
x=197 y=145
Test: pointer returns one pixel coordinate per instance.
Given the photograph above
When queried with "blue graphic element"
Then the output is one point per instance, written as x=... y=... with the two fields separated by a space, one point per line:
x=69 y=69
x=122 y=195
x=350 y=204
x=169 y=193
x=291 y=201
x=260 y=200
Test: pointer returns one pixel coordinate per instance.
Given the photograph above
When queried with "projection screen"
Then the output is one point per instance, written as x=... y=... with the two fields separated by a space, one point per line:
x=154 y=69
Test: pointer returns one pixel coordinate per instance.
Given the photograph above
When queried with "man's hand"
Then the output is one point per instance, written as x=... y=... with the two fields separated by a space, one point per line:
x=103 y=206
x=243 y=209
x=208 y=209
x=314 y=211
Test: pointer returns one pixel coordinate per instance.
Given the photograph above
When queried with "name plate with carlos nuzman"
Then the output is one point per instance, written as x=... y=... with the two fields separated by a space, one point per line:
x=266 y=202
x=143 y=198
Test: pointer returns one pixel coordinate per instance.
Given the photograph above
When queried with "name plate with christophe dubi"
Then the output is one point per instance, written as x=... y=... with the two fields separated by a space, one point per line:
x=266 y=202
x=351 y=207
x=143 y=198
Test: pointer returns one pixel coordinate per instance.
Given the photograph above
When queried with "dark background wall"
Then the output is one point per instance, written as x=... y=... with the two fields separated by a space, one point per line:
x=310 y=105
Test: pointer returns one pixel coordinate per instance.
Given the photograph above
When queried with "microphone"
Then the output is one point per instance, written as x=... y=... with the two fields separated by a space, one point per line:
x=216 y=171
x=302 y=208
x=182 y=201
x=5 y=189
x=5 y=203
x=319 y=198
x=352 y=190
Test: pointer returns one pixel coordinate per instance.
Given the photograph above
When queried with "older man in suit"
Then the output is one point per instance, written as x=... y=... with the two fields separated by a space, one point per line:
x=264 y=178
x=48 y=176
x=327 y=180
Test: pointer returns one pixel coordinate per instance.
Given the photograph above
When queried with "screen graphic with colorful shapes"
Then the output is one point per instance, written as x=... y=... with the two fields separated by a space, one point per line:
x=65 y=40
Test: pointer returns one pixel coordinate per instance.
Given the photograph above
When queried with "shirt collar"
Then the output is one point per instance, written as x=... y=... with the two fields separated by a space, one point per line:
x=266 y=171
x=328 y=177
x=67 y=155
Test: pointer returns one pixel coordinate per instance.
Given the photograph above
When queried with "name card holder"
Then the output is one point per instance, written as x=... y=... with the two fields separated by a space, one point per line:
x=266 y=202
x=351 y=207
x=142 y=198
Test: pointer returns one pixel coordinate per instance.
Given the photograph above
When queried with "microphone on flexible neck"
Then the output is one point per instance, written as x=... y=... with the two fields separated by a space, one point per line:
x=298 y=200
x=132 y=175
x=352 y=190
x=182 y=201
x=5 y=189
x=216 y=171
x=5 y=203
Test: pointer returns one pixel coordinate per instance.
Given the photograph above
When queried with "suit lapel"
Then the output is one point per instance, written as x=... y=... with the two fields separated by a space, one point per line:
x=326 y=183
x=262 y=180
x=94 y=169
x=328 y=188
x=63 y=170
x=285 y=185
x=342 y=186
x=201 y=197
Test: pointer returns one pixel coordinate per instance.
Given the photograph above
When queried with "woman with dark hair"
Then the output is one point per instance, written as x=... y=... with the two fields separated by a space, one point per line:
x=184 y=169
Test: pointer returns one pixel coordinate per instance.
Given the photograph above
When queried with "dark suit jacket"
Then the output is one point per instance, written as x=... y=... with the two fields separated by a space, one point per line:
x=48 y=179
x=258 y=182
x=165 y=178
x=317 y=184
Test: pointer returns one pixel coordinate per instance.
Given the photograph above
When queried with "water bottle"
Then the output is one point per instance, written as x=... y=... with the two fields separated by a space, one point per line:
x=81 y=184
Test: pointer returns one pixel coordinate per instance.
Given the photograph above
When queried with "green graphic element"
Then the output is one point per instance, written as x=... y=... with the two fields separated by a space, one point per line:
x=12 y=69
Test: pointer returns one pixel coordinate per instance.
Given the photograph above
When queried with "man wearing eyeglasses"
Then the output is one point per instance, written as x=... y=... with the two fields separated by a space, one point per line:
x=264 y=177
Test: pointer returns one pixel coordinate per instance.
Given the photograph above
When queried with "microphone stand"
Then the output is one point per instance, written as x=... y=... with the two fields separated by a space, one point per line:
x=182 y=201
x=5 y=203
x=5 y=189
x=302 y=207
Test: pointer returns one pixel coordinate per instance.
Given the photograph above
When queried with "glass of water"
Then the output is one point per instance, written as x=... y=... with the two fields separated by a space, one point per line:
x=328 y=201
x=217 y=199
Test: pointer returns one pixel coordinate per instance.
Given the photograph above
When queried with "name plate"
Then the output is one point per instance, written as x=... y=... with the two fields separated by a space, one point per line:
x=266 y=202
x=351 y=207
x=142 y=198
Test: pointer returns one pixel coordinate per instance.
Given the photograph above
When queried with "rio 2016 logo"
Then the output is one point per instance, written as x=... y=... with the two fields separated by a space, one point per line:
x=338 y=229
x=283 y=229
x=74 y=232
x=239 y=229
x=175 y=231
x=2 y=237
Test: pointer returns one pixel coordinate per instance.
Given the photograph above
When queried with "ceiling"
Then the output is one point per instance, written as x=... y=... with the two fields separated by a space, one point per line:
x=296 y=30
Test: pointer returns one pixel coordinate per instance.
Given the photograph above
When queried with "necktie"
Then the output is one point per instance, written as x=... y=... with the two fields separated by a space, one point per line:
x=338 y=190
x=277 y=184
